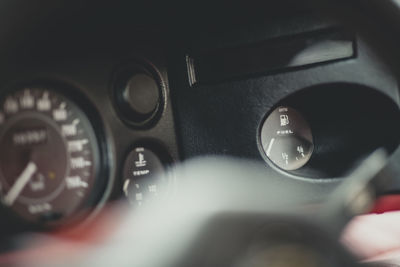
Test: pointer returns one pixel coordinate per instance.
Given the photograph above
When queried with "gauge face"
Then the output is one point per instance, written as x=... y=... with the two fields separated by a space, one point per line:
x=287 y=139
x=144 y=175
x=49 y=157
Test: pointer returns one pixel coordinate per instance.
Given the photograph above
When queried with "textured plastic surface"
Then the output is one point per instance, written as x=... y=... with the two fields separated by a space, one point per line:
x=224 y=118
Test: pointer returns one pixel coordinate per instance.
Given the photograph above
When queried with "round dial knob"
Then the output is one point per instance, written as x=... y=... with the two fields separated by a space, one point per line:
x=141 y=94
x=138 y=94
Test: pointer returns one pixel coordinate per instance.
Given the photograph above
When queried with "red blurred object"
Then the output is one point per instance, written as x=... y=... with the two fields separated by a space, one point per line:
x=387 y=203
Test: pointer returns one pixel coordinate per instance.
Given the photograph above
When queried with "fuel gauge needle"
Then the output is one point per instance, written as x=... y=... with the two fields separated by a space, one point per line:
x=20 y=183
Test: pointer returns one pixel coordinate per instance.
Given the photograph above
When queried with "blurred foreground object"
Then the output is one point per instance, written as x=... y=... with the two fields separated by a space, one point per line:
x=222 y=212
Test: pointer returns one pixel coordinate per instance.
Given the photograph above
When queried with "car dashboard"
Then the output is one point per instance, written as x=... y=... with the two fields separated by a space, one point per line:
x=96 y=99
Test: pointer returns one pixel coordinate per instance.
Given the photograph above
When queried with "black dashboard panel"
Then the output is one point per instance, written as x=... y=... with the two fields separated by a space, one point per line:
x=68 y=46
x=86 y=45
x=270 y=56
x=224 y=117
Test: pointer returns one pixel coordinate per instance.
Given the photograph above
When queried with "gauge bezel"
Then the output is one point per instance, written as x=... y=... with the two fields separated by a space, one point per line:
x=266 y=159
x=307 y=131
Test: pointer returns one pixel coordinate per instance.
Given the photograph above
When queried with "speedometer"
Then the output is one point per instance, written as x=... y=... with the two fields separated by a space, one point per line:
x=49 y=157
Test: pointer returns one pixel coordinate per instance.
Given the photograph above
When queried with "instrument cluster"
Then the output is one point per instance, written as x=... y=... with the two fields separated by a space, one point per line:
x=61 y=160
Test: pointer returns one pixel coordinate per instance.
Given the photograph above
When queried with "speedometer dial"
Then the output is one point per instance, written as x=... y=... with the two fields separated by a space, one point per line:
x=49 y=157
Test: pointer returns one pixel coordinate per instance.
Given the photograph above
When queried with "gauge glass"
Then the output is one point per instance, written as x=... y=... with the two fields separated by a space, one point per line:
x=49 y=157
x=286 y=139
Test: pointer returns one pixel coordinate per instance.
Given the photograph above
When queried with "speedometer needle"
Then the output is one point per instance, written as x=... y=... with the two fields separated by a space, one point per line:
x=20 y=183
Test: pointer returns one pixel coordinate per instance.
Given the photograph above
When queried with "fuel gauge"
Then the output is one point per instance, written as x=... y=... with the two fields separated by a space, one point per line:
x=286 y=139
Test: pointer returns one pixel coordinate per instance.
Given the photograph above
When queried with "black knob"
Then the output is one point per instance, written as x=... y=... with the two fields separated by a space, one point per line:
x=138 y=94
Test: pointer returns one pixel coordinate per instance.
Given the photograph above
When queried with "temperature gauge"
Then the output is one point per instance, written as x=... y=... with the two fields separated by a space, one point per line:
x=145 y=176
x=286 y=139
